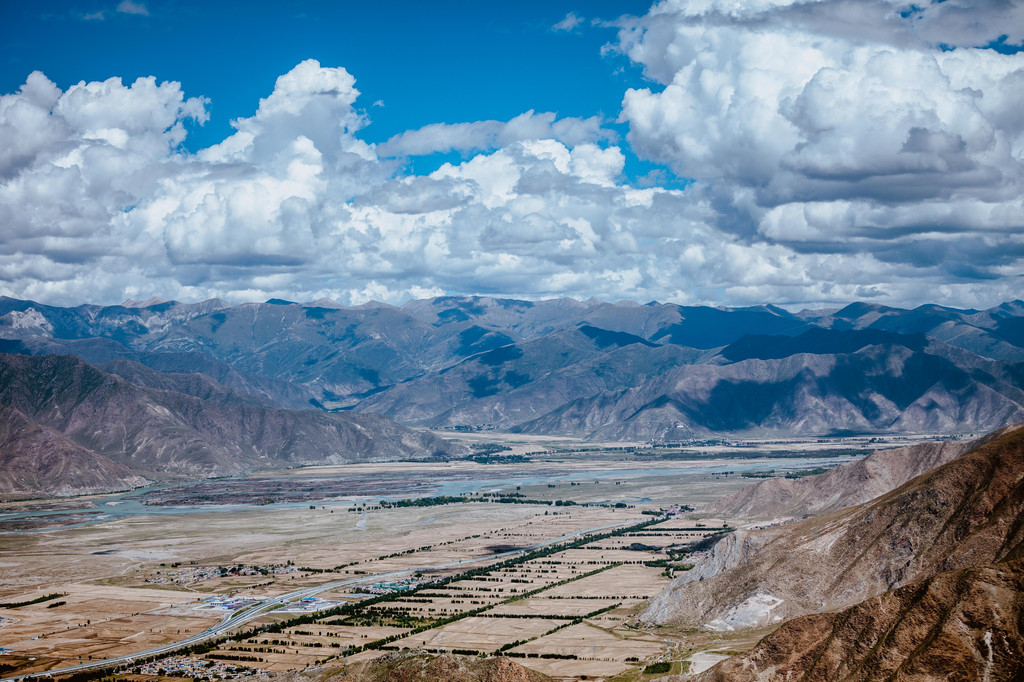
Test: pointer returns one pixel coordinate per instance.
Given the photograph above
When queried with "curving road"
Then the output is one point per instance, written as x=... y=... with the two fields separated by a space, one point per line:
x=234 y=620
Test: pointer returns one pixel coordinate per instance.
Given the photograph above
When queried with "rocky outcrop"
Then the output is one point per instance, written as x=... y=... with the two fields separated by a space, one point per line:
x=843 y=486
x=957 y=625
x=965 y=513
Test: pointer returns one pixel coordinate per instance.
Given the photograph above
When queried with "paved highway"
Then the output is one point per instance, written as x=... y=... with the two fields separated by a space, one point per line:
x=234 y=620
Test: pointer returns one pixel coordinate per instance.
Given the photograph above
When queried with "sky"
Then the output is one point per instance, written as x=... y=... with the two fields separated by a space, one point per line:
x=803 y=153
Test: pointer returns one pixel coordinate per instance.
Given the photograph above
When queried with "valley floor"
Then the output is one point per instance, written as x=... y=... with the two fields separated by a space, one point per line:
x=128 y=573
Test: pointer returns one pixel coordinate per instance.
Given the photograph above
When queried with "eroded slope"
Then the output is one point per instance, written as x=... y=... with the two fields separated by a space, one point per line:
x=957 y=625
x=843 y=486
x=966 y=513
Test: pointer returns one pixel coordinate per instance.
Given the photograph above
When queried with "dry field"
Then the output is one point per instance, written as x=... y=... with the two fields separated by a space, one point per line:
x=111 y=606
x=109 y=609
x=589 y=642
x=475 y=633
x=620 y=584
x=576 y=608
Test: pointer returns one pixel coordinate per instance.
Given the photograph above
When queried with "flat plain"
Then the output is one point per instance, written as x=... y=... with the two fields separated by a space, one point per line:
x=145 y=575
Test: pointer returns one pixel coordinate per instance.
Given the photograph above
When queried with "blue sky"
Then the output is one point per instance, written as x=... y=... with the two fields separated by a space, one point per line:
x=424 y=62
x=802 y=153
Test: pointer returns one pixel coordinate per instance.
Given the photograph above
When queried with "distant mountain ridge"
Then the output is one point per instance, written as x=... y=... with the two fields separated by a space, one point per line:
x=68 y=428
x=35 y=459
x=599 y=370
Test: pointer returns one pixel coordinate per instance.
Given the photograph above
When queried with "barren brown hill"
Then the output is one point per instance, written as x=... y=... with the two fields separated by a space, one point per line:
x=36 y=460
x=958 y=625
x=968 y=512
x=157 y=432
x=417 y=666
x=843 y=486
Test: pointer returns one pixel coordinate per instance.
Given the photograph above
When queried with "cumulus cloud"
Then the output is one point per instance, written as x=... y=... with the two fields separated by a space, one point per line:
x=479 y=136
x=842 y=126
x=72 y=164
x=826 y=171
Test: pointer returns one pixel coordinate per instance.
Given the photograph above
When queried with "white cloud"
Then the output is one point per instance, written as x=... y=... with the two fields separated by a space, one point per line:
x=842 y=127
x=794 y=140
x=129 y=7
x=71 y=163
x=570 y=22
x=489 y=135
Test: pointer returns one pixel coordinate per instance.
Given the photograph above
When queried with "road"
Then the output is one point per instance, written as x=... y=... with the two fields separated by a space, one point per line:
x=234 y=620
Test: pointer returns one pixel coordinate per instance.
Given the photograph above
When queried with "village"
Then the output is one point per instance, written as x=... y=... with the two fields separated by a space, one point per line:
x=197 y=574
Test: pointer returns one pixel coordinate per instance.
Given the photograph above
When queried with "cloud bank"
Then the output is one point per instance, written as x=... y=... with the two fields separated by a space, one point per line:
x=846 y=128
x=840 y=150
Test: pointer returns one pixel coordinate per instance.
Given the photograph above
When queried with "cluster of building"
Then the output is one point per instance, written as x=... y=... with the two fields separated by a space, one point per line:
x=222 y=603
x=196 y=574
x=309 y=605
x=188 y=666
x=676 y=510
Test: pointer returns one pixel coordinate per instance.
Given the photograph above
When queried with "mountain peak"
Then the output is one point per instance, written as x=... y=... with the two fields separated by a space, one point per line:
x=151 y=301
x=325 y=302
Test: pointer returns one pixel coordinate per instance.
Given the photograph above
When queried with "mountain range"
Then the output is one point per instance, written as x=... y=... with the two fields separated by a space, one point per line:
x=618 y=371
x=67 y=427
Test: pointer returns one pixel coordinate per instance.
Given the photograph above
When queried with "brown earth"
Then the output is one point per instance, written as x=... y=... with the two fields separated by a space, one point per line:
x=957 y=625
x=197 y=430
x=37 y=460
x=968 y=512
x=843 y=486
x=417 y=666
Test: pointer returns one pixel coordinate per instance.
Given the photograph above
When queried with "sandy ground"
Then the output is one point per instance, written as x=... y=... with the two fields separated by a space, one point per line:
x=589 y=642
x=110 y=609
x=480 y=634
x=573 y=670
x=701 y=661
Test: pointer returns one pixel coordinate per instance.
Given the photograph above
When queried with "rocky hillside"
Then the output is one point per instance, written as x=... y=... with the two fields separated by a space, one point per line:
x=417 y=666
x=967 y=512
x=957 y=625
x=36 y=460
x=658 y=372
x=842 y=486
x=167 y=425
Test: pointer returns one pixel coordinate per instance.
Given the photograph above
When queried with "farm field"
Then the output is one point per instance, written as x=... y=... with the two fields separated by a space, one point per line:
x=575 y=604
x=468 y=577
